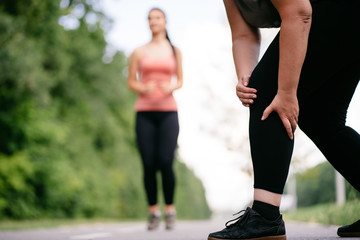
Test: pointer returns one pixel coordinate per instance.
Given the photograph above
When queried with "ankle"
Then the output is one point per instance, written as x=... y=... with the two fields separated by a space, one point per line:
x=268 y=211
x=170 y=209
x=154 y=209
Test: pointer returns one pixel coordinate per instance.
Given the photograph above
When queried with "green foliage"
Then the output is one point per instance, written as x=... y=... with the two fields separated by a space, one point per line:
x=190 y=206
x=327 y=213
x=317 y=185
x=15 y=172
x=67 y=145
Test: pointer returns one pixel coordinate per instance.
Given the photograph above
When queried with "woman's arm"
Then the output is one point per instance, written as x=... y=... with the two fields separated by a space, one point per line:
x=179 y=70
x=246 y=43
x=169 y=88
x=294 y=33
x=133 y=83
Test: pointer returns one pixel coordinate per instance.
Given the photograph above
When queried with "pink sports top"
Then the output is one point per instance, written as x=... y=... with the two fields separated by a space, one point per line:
x=159 y=71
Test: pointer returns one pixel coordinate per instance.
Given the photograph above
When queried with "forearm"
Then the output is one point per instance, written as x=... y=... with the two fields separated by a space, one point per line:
x=246 y=54
x=136 y=87
x=132 y=81
x=178 y=84
x=179 y=70
x=245 y=41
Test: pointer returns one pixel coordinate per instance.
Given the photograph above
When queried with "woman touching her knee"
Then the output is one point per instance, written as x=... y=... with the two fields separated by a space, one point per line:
x=293 y=83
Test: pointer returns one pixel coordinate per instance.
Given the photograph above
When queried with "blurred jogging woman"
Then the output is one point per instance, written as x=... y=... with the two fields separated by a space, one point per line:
x=157 y=126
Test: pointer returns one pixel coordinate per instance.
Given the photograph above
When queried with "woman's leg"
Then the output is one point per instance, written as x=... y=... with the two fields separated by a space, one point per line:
x=146 y=139
x=167 y=138
x=323 y=112
x=328 y=80
x=323 y=121
x=167 y=141
x=271 y=148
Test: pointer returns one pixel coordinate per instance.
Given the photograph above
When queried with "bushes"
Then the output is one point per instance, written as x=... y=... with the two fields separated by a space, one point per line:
x=17 y=197
x=190 y=196
x=327 y=213
x=316 y=197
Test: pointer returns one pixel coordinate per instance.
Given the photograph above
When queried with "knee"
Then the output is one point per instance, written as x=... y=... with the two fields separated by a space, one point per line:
x=149 y=168
x=166 y=167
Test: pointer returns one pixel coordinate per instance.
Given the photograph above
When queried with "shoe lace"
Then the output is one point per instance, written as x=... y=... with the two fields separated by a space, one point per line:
x=234 y=221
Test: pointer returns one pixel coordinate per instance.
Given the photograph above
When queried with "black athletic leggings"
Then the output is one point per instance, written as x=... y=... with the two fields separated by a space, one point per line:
x=329 y=76
x=157 y=134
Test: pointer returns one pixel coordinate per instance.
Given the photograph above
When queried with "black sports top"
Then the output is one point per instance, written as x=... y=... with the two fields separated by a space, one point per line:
x=260 y=13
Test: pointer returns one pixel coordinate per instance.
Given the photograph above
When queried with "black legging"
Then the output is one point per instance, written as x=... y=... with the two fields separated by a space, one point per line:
x=157 y=134
x=329 y=76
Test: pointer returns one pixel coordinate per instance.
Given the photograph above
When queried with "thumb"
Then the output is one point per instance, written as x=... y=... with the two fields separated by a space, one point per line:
x=267 y=112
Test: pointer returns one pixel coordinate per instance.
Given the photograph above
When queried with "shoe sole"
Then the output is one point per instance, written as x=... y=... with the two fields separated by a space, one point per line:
x=281 y=237
x=348 y=234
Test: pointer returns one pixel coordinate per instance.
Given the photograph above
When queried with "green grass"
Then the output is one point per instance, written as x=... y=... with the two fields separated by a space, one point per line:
x=327 y=213
x=47 y=223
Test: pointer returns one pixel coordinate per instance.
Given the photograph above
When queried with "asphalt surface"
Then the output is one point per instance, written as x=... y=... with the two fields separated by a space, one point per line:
x=185 y=230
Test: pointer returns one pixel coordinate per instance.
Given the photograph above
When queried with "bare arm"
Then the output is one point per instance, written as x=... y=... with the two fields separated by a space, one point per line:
x=179 y=70
x=294 y=33
x=246 y=43
x=133 y=83
x=295 y=27
x=168 y=88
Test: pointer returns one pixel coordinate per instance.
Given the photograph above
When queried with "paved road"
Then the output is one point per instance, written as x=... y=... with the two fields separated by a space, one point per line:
x=185 y=230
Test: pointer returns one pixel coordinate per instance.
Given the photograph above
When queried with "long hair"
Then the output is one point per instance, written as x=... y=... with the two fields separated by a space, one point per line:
x=167 y=35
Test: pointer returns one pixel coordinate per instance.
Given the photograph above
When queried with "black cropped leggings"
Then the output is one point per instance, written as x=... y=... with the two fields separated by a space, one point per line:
x=329 y=76
x=157 y=134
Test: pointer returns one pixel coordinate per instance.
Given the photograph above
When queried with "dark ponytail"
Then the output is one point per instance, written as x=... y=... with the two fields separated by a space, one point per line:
x=172 y=46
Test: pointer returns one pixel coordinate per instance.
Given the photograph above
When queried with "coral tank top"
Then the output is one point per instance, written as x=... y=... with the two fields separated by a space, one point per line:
x=159 y=71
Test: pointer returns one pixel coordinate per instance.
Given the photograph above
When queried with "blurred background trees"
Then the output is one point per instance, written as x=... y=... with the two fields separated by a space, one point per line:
x=317 y=186
x=67 y=145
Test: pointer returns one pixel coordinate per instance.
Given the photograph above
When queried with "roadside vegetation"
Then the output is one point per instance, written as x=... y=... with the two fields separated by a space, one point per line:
x=328 y=213
x=315 y=189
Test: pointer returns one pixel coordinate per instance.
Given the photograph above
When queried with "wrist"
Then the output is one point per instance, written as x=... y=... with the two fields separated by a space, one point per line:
x=243 y=76
x=287 y=92
x=143 y=89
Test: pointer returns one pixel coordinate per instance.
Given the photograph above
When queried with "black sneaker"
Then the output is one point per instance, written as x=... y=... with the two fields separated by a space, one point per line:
x=251 y=225
x=352 y=230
